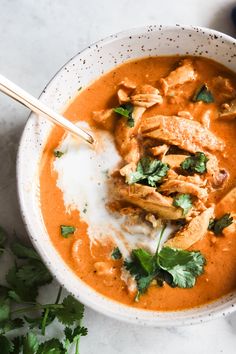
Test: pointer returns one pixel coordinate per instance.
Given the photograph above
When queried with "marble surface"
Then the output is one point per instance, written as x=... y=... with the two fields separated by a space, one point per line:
x=36 y=38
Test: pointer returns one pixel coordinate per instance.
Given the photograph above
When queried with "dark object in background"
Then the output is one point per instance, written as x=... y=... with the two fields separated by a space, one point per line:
x=233 y=15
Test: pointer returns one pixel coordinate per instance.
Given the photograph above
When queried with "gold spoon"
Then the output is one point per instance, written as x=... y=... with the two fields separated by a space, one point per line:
x=20 y=95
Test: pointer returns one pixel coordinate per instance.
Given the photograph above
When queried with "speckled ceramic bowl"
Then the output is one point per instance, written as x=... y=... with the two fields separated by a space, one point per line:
x=80 y=71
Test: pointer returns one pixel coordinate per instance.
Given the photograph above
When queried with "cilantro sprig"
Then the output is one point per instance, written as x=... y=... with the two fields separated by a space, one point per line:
x=218 y=225
x=183 y=201
x=126 y=111
x=149 y=171
x=176 y=267
x=18 y=302
x=195 y=164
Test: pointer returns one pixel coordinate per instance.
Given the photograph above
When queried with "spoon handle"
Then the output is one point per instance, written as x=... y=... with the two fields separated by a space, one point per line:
x=20 y=95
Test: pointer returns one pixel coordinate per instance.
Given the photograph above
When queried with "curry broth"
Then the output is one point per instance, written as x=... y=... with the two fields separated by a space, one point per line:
x=219 y=277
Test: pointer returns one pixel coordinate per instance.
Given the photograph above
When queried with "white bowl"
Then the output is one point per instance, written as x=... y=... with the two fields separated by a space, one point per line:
x=80 y=71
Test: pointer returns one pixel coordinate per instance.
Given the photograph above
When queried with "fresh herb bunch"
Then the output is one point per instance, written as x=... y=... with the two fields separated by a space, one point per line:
x=218 y=225
x=18 y=301
x=203 y=94
x=126 y=111
x=149 y=171
x=176 y=267
x=195 y=164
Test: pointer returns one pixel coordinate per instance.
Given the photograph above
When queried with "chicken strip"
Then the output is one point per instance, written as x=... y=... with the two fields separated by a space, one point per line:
x=176 y=185
x=184 y=133
x=184 y=73
x=148 y=199
x=193 y=232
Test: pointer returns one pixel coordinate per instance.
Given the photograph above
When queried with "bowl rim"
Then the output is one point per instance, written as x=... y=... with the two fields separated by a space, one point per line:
x=35 y=239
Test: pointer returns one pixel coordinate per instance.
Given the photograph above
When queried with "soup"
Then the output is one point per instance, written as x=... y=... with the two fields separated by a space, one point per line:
x=147 y=217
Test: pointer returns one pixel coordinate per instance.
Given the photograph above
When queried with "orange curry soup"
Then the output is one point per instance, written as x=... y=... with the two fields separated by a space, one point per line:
x=175 y=108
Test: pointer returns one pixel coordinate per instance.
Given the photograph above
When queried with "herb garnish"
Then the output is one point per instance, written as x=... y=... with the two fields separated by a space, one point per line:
x=203 y=94
x=67 y=231
x=23 y=281
x=195 y=164
x=217 y=225
x=116 y=254
x=58 y=153
x=150 y=171
x=184 y=201
x=126 y=111
x=174 y=266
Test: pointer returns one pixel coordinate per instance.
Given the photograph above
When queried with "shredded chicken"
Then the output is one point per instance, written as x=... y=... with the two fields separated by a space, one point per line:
x=159 y=150
x=142 y=98
x=215 y=175
x=148 y=199
x=176 y=185
x=105 y=118
x=103 y=268
x=126 y=82
x=174 y=161
x=228 y=110
x=184 y=73
x=127 y=169
x=222 y=88
x=184 y=133
x=123 y=96
x=146 y=96
x=193 y=232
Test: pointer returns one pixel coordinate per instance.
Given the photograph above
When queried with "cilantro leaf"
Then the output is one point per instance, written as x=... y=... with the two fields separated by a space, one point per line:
x=73 y=335
x=52 y=346
x=25 y=279
x=3 y=236
x=58 y=153
x=150 y=171
x=71 y=312
x=195 y=163
x=183 y=201
x=30 y=344
x=33 y=274
x=217 y=225
x=184 y=266
x=116 y=254
x=67 y=231
x=22 y=251
x=144 y=258
x=126 y=111
x=203 y=94
x=4 y=309
x=5 y=345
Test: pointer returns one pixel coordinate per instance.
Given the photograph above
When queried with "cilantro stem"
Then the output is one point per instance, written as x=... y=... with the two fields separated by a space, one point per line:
x=58 y=295
x=160 y=238
x=37 y=307
x=77 y=346
x=44 y=321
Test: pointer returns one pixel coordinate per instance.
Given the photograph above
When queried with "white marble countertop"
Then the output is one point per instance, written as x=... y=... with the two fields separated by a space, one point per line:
x=36 y=38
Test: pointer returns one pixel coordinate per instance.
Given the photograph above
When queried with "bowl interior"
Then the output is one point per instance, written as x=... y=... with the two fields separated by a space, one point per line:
x=80 y=71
